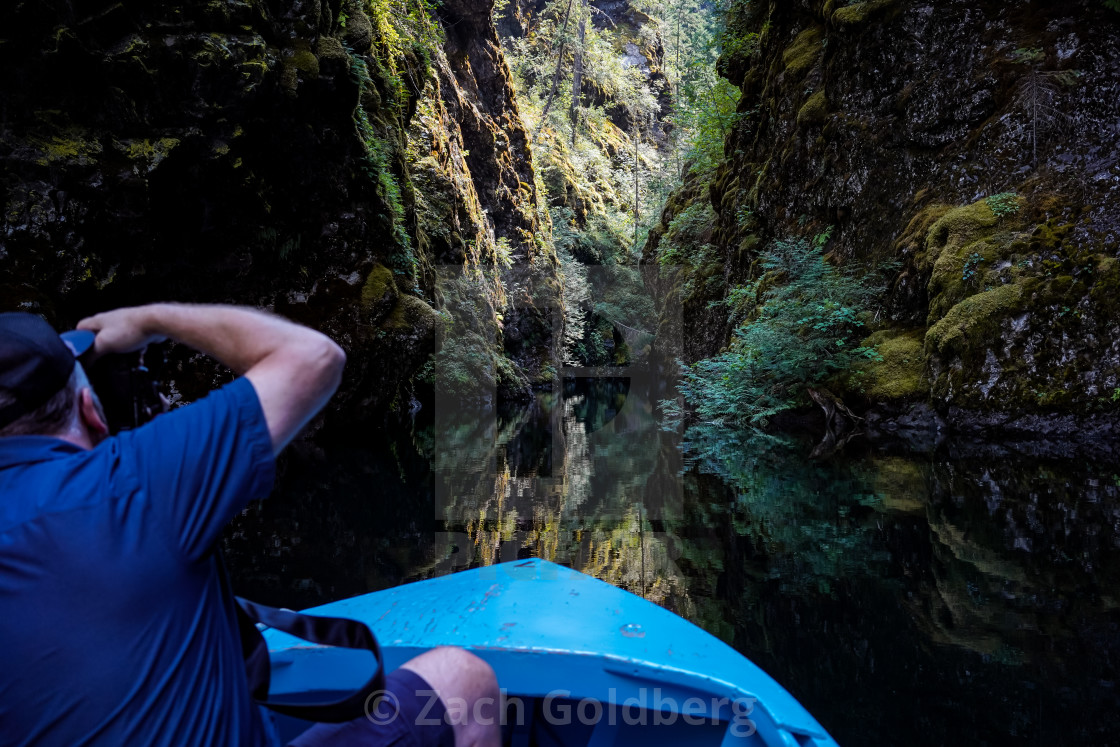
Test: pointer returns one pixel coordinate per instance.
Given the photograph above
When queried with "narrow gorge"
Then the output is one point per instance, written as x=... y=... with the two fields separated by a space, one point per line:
x=800 y=318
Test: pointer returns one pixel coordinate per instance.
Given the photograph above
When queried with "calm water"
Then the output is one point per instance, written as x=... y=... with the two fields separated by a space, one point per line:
x=969 y=596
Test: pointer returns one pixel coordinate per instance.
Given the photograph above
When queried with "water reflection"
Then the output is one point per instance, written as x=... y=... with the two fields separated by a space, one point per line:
x=964 y=596
x=580 y=477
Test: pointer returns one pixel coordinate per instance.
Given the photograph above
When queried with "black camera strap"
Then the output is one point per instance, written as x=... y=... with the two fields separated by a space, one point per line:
x=326 y=631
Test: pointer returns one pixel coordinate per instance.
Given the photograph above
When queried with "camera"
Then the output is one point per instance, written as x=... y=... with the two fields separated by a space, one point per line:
x=128 y=386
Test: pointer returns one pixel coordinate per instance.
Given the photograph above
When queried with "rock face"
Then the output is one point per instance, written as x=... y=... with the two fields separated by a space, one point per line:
x=973 y=143
x=261 y=153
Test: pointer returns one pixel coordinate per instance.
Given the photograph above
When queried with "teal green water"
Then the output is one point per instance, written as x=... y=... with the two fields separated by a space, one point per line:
x=967 y=596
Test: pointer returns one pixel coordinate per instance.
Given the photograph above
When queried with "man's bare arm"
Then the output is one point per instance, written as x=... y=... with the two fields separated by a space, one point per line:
x=294 y=370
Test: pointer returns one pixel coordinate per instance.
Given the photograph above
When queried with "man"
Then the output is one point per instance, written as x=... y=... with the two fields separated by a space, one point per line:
x=116 y=626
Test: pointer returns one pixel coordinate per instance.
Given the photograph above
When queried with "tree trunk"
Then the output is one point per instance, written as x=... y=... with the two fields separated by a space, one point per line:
x=636 y=169
x=680 y=11
x=556 y=75
x=577 y=73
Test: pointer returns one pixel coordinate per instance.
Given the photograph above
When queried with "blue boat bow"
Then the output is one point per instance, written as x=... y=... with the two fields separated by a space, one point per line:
x=582 y=662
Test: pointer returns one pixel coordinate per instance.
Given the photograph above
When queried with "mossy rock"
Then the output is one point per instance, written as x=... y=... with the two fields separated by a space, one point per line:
x=148 y=153
x=1106 y=291
x=412 y=316
x=913 y=239
x=814 y=111
x=379 y=293
x=959 y=226
x=974 y=321
x=914 y=236
x=74 y=148
x=298 y=61
x=358 y=33
x=900 y=374
x=970 y=249
x=330 y=48
x=303 y=59
x=803 y=52
x=965 y=271
x=859 y=13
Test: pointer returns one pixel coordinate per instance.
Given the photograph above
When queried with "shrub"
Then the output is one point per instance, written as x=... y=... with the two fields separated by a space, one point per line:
x=805 y=329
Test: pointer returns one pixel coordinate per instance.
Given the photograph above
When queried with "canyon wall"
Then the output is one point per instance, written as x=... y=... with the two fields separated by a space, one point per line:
x=320 y=159
x=967 y=152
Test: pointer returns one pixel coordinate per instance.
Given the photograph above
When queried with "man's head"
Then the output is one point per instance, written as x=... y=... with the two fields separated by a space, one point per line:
x=43 y=390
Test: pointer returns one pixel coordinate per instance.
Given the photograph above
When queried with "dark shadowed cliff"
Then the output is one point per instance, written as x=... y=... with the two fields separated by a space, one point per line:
x=319 y=159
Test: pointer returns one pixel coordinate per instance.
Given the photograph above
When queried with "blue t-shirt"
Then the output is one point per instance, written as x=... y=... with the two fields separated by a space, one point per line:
x=115 y=625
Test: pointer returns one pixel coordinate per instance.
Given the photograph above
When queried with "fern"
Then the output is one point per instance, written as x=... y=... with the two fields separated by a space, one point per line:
x=806 y=328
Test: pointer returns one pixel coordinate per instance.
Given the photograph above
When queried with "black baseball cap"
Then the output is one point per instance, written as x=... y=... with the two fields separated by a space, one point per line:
x=35 y=361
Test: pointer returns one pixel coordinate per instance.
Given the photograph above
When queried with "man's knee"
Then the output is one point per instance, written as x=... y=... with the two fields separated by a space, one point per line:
x=468 y=689
x=455 y=671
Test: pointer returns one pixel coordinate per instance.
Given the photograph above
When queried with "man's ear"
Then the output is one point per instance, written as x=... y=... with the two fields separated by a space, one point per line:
x=91 y=413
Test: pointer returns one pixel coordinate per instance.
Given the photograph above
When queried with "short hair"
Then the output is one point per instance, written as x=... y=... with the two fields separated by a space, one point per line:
x=51 y=417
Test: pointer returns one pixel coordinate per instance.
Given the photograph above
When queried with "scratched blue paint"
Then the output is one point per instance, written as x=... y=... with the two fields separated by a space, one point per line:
x=557 y=637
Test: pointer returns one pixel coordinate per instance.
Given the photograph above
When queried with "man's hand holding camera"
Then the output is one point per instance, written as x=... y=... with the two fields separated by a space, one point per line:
x=122 y=330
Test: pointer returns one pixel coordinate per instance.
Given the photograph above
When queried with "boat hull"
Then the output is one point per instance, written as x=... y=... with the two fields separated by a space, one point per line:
x=580 y=662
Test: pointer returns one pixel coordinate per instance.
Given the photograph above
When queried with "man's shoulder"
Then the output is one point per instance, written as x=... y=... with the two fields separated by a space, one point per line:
x=49 y=476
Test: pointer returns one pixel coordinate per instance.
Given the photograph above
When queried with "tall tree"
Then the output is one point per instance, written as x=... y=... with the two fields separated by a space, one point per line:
x=577 y=69
x=556 y=75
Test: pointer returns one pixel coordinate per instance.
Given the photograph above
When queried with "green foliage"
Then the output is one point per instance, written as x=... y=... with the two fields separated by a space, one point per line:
x=469 y=363
x=598 y=296
x=970 y=264
x=600 y=241
x=1004 y=204
x=704 y=105
x=1029 y=55
x=403 y=29
x=378 y=168
x=1112 y=4
x=806 y=328
x=732 y=38
x=708 y=119
x=689 y=235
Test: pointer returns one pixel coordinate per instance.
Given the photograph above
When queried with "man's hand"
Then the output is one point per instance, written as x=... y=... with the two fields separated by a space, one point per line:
x=120 y=331
x=293 y=369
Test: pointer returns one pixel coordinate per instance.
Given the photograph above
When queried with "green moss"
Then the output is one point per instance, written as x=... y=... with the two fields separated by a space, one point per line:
x=1049 y=236
x=303 y=59
x=329 y=48
x=803 y=53
x=971 y=248
x=143 y=149
x=974 y=320
x=1106 y=291
x=959 y=226
x=62 y=149
x=959 y=273
x=379 y=287
x=412 y=315
x=912 y=242
x=814 y=111
x=358 y=31
x=299 y=59
x=901 y=371
x=859 y=13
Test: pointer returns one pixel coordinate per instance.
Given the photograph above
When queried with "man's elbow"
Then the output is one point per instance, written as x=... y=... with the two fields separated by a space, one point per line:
x=331 y=359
